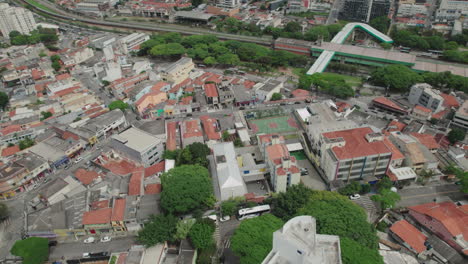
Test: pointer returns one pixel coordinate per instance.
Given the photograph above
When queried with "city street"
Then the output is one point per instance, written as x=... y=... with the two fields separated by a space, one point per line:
x=76 y=249
x=419 y=195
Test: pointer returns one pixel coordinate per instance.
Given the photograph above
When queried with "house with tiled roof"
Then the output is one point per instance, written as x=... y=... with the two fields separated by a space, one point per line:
x=446 y=220
x=9 y=151
x=211 y=93
x=284 y=170
x=427 y=140
x=191 y=132
x=171 y=135
x=97 y=221
x=358 y=153
x=211 y=128
x=421 y=112
x=389 y=106
x=409 y=236
x=86 y=177
x=118 y=215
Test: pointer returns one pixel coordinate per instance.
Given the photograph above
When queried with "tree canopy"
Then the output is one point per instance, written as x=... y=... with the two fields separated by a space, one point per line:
x=253 y=239
x=276 y=97
x=380 y=23
x=461 y=175
x=33 y=250
x=118 y=104
x=455 y=135
x=354 y=253
x=170 y=50
x=3 y=212
x=286 y=204
x=161 y=228
x=386 y=198
x=396 y=77
x=26 y=143
x=332 y=85
x=46 y=36
x=201 y=233
x=186 y=188
x=4 y=99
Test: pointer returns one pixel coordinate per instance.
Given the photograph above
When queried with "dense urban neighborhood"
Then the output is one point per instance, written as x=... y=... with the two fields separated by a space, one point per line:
x=228 y=131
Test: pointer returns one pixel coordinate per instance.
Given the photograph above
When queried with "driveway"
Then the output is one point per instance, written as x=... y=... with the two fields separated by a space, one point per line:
x=312 y=180
x=76 y=249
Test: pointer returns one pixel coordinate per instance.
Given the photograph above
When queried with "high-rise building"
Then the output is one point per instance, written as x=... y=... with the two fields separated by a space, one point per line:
x=364 y=10
x=229 y=3
x=15 y=19
x=450 y=10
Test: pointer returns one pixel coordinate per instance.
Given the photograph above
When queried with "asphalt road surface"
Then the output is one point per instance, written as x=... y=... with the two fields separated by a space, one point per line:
x=420 y=195
x=76 y=249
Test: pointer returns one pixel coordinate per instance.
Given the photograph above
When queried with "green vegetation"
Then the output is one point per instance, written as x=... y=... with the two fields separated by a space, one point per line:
x=309 y=14
x=397 y=77
x=46 y=115
x=387 y=198
x=381 y=23
x=118 y=104
x=238 y=143
x=183 y=228
x=352 y=253
x=26 y=143
x=455 y=135
x=186 y=188
x=33 y=250
x=230 y=207
x=46 y=36
x=461 y=175
x=41 y=6
x=55 y=59
x=193 y=154
x=4 y=99
x=209 y=50
x=276 y=97
x=253 y=239
x=381 y=226
x=354 y=187
x=329 y=84
x=285 y=205
x=351 y=80
x=113 y=260
x=299 y=155
x=161 y=228
x=201 y=233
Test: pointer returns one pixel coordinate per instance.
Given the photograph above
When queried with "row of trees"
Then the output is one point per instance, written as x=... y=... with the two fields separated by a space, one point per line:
x=334 y=213
x=46 y=36
x=211 y=51
x=192 y=154
x=332 y=85
x=400 y=78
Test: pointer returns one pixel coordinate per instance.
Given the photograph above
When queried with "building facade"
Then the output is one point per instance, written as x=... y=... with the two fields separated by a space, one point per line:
x=460 y=118
x=178 y=71
x=15 y=19
x=364 y=10
x=422 y=94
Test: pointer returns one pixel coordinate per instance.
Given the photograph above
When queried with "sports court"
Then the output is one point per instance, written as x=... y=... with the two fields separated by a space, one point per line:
x=277 y=124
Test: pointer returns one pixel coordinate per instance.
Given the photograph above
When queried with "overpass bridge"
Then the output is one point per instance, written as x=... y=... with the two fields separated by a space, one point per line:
x=324 y=59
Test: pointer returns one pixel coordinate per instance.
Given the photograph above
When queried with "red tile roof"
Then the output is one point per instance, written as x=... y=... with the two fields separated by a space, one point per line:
x=158 y=86
x=427 y=140
x=394 y=125
x=118 y=211
x=122 y=167
x=422 y=109
x=408 y=233
x=277 y=151
x=153 y=188
x=342 y=106
x=134 y=186
x=209 y=126
x=248 y=84
x=155 y=169
x=62 y=76
x=68 y=134
x=171 y=141
x=453 y=217
x=450 y=100
x=10 y=129
x=186 y=100
x=192 y=129
x=101 y=216
x=300 y=93
x=211 y=90
x=384 y=101
x=356 y=143
x=10 y=151
x=37 y=74
x=440 y=114
x=86 y=177
x=67 y=91
x=267 y=138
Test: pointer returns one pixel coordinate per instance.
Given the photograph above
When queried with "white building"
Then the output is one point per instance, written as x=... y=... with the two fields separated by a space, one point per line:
x=230 y=180
x=450 y=10
x=422 y=94
x=113 y=71
x=229 y=3
x=139 y=145
x=408 y=10
x=461 y=116
x=131 y=41
x=15 y=19
x=297 y=242
x=264 y=91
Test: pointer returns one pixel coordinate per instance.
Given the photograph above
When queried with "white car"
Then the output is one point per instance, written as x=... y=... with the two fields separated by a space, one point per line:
x=89 y=240
x=354 y=196
x=106 y=239
x=85 y=255
x=225 y=218
x=78 y=159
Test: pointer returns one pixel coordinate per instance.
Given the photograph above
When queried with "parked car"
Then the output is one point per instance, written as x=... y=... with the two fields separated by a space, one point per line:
x=106 y=239
x=52 y=243
x=78 y=159
x=354 y=196
x=225 y=218
x=86 y=255
x=89 y=240
x=304 y=171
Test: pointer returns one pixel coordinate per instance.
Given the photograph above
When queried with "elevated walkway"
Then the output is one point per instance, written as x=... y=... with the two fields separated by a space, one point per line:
x=324 y=59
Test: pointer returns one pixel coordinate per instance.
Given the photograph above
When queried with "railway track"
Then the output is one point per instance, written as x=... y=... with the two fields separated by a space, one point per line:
x=93 y=22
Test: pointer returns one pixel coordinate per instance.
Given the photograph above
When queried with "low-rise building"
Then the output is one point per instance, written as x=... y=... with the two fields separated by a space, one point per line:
x=191 y=132
x=230 y=181
x=21 y=174
x=265 y=91
x=139 y=146
x=409 y=236
x=178 y=71
x=284 y=170
x=446 y=220
x=358 y=153
x=421 y=112
x=422 y=94
x=132 y=41
x=460 y=118
x=389 y=106
x=298 y=242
